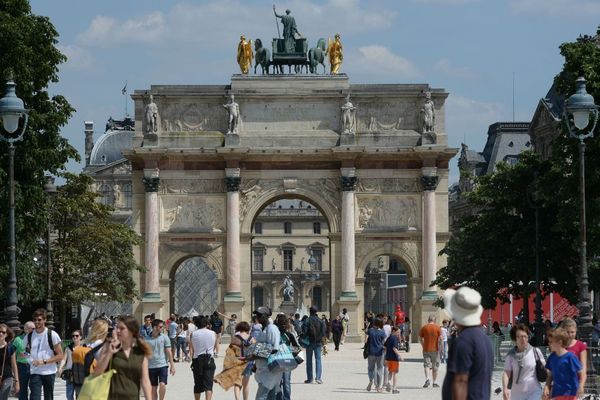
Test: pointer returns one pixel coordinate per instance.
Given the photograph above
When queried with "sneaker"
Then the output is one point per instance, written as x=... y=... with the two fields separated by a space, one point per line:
x=388 y=387
x=320 y=382
x=308 y=381
x=435 y=385
x=379 y=390
x=426 y=383
x=369 y=386
x=395 y=391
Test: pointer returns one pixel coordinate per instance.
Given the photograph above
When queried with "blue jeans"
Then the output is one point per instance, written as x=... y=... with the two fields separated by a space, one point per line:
x=23 y=380
x=70 y=391
x=181 y=347
x=310 y=349
x=286 y=387
x=264 y=393
x=37 y=382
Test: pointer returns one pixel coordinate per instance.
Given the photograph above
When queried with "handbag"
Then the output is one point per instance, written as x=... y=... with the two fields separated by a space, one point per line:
x=540 y=369
x=366 y=348
x=282 y=361
x=97 y=387
x=259 y=350
x=67 y=375
x=300 y=357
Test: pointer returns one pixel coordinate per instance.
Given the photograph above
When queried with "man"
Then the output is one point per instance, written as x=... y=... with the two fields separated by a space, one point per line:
x=157 y=364
x=22 y=363
x=45 y=351
x=146 y=329
x=297 y=324
x=268 y=381
x=470 y=359
x=290 y=30
x=430 y=335
x=217 y=327
x=203 y=342
x=172 y=329
x=314 y=329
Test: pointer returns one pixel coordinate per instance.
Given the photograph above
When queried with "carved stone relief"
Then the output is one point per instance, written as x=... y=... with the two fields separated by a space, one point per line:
x=382 y=117
x=191 y=186
x=387 y=213
x=122 y=169
x=388 y=185
x=191 y=214
x=252 y=189
x=192 y=117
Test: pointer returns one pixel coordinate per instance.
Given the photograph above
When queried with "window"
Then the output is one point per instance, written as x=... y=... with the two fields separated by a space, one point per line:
x=258 y=228
x=105 y=195
x=127 y=192
x=258 y=255
x=317 y=228
x=288 y=259
x=259 y=296
x=318 y=256
x=287 y=228
x=317 y=298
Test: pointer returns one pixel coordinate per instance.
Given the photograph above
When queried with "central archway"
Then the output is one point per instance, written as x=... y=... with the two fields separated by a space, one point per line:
x=194 y=288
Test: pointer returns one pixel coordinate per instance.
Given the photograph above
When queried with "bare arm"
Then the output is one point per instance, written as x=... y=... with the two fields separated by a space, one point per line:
x=58 y=354
x=505 y=389
x=145 y=380
x=548 y=385
x=460 y=387
x=15 y=371
x=583 y=372
x=170 y=358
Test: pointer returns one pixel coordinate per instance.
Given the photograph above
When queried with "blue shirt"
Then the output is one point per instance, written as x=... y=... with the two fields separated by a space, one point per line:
x=376 y=339
x=470 y=353
x=391 y=343
x=565 y=380
x=172 y=330
x=159 y=356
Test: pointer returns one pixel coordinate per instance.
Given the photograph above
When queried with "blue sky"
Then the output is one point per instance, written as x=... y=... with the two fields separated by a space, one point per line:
x=472 y=48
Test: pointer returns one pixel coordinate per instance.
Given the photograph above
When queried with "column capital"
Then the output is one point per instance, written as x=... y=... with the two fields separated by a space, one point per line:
x=348 y=183
x=429 y=183
x=151 y=184
x=233 y=183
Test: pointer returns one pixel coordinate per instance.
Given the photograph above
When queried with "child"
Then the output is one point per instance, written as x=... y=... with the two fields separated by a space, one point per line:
x=565 y=377
x=393 y=357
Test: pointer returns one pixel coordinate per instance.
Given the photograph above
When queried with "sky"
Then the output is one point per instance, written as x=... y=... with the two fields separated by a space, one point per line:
x=474 y=49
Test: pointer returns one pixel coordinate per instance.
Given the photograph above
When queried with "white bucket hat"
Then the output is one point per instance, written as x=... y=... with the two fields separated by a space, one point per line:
x=463 y=305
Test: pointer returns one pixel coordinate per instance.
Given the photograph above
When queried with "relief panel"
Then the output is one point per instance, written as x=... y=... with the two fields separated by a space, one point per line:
x=192 y=214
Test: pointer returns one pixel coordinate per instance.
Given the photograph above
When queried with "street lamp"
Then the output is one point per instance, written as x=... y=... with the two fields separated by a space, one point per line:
x=14 y=122
x=578 y=110
x=50 y=190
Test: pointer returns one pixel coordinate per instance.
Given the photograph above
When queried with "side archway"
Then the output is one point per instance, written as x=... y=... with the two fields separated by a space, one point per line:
x=193 y=284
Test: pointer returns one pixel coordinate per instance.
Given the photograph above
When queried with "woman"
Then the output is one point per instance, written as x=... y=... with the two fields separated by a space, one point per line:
x=337 y=329
x=182 y=333
x=233 y=367
x=67 y=364
x=520 y=363
x=8 y=363
x=375 y=341
x=576 y=347
x=287 y=337
x=93 y=344
x=128 y=354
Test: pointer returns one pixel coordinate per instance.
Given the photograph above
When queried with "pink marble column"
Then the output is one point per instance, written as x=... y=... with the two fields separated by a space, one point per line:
x=232 y=181
x=151 y=183
x=429 y=184
x=348 y=246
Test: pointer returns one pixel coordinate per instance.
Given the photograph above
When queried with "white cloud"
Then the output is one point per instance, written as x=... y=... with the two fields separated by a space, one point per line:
x=557 y=8
x=444 y=66
x=218 y=21
x=380 y=61
x=77 y=57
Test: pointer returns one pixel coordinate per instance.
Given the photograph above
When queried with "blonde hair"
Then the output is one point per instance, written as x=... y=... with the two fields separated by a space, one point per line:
x=99 y=330
x=568 y=323
x=559 y=335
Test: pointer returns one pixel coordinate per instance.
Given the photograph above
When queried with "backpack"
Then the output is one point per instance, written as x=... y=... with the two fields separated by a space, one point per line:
x=29 y=336
x=315 y=330
x=89 y=362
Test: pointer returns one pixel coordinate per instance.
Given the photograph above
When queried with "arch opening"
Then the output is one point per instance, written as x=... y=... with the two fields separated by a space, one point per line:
x=193 y=291
x=386 y=285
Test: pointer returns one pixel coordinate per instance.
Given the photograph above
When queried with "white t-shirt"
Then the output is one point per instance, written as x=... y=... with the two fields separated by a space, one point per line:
x=40 y=350
x=388 y=330
x=444 y=334
x=204 y=341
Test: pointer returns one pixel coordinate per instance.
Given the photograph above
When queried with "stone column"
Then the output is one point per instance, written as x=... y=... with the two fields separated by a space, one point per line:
x=348 y=180
x=232 y=182
x=151 y=183
x=429 y=182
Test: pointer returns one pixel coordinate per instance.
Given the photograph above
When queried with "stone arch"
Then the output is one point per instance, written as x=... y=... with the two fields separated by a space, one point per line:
x=194 y=291
x=176 y=258
x=384 y=248
x=329 y=211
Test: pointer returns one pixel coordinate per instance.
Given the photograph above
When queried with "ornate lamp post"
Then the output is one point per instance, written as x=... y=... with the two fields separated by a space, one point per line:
x=14 y=122
x=533 y=200
x=50 y=190
x=578 y=110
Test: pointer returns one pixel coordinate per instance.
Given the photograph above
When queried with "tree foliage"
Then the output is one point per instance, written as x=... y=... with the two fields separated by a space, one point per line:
x=92 y=256
x=28 y=49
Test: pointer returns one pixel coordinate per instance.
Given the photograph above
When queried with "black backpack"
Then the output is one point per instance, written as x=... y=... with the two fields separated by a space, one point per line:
x=29 y=336
x=315 y=330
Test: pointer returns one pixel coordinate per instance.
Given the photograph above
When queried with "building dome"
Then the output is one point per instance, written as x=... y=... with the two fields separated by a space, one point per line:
x=109 y=148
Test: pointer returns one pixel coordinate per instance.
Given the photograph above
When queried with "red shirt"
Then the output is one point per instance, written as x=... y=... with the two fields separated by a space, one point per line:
x=578 y=348
x=431 y=335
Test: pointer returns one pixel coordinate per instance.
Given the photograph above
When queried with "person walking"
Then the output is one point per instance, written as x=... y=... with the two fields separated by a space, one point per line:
x=374 y=342
x=93 y=344
x=22 y=362
x=66 y=365
x=203 y=343
x=576 y=347
x=430 y=336
x=337 y=329
x=314 y=330
x=470 y=357
x=393 y=358
x=182 y=333
x=44 y=347
x=344 y=317
x=8 y=362
x=565 y=372
x=146 y=329
x=162 y=357
x=268 y=381
x=172 y=329
x=444 y=342
x=216 y=324
x=288 y=338
x=234 y=364
x=519 y=367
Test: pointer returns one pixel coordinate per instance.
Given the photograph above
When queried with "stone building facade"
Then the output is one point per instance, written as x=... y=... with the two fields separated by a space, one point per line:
x=201 y=180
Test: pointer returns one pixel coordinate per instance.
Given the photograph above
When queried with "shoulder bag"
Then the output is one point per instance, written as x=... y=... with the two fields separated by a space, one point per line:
x=97 y=387
x=540 y=369
x=282 y=361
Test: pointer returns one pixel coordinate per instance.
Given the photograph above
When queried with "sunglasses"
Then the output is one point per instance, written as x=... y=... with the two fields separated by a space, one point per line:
x=39 y=319
x=75 y=335
x=3 y=332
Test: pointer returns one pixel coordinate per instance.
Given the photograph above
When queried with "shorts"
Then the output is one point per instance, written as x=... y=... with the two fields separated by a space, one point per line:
x=157 y=375
x=392 y=366
x=203 y=368
x=430 y=360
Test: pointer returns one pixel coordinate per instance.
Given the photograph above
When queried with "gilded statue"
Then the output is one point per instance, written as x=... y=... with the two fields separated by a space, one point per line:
x=245 y=54
x=336 y=54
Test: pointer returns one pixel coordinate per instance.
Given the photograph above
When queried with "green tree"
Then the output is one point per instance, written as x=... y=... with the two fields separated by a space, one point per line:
x=28 y=48
x=92 y=255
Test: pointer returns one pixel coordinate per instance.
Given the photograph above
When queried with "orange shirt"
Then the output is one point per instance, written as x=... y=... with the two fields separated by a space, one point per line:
x=431 y=334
